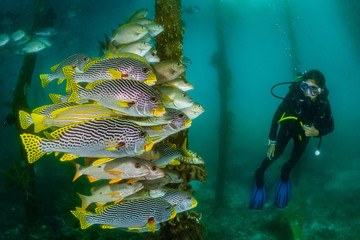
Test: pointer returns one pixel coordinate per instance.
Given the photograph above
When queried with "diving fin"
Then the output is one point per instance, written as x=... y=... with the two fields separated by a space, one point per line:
x=258 y=197
x=282 y=193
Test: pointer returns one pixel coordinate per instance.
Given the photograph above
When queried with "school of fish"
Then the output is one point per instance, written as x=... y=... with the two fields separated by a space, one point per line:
x=119 y=109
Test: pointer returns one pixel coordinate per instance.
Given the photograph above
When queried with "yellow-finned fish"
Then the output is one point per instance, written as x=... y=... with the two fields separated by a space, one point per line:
x=141 y=13
x=128 y=33
x=78 y=60
x=113 y=68
x=131 y=214
x=69 y=115
x=110 y=193
x=178 y=98
x=131 y=97
x=109 y=137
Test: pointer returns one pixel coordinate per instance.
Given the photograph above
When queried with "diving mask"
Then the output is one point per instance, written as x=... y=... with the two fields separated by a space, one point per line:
x=309 y=88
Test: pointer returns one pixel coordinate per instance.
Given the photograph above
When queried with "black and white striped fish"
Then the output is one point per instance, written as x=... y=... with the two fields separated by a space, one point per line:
x=131 y=97
x=131 y=214
x=113 y=68
x=180 y=200
x=109 y=137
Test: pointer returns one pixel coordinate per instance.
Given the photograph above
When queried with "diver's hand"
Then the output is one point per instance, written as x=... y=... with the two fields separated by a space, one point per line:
x=310 y=131
x=271 y=151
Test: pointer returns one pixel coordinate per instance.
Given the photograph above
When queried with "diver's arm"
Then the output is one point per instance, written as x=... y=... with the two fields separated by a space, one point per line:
x=325 y=124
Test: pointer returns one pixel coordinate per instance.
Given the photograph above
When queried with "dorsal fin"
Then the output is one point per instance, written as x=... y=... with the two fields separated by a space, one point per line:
x=86 y=67
x=93 y=84
x=53 y=68
x=56 y=134
x=39 y=109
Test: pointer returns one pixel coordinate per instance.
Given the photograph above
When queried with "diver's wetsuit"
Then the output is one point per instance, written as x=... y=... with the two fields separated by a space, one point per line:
x=312 y=113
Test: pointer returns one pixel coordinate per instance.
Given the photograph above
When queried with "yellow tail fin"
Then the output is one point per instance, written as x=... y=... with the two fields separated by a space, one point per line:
x=80 y=214
x=24 y=119
x=55 y=98
x=44 y=80
x=78 y=173
x=38 y=122
x=32 y=146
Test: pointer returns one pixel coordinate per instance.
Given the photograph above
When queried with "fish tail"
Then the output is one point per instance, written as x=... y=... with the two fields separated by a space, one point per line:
x=75 y=88
x=81 y=214
x=45 y=80
x=38 y=122
x=60 y=80
x=25 y=119
x=78 y=173
x=84 y=201
x=32 y=146
x=55 y=98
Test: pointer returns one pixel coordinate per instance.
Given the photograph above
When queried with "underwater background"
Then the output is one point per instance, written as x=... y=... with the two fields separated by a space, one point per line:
x=324 y=201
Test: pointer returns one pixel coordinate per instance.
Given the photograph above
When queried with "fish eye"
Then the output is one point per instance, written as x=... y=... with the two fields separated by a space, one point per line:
x=153 y=99
x=142 y=134
x=181 y=115
x=145 y=70
x=154 y=168
x=184 y=94
x=130 y=183
x=153 y=54
x=179 y=63
x=100 y=192
x=137 y=165
x=99 y=167
x=188 y=198
x=86 y=59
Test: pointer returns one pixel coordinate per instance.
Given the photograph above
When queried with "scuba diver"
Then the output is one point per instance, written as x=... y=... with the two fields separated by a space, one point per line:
x=305 y=112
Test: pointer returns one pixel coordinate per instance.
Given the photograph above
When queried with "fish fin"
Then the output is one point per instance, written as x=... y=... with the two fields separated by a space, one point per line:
x=92 y=179
x=93 y=84
x=68 y=72
x=77 y=173
x=53 y=68
x=32 y=146
x=157 y=128
x=80 y=214
x=107 y=227
x=38 y=121
x=102 y=160
x=60 y=80
x=94 y=60
x=39 y=109
x=75 y=89
x=47 y=135
x=88 y=161
x=114 y=194
x=116 y=147
x=99 y=210
x=119 y=200
x=99 y=204
x=44 y=80
x=115 y=180
x=174 y=162
x=114 y=172
x=151 y=224
x=148 y=146
x=55 y=98
x=57 y=154
x=84 y=202
x=108 y=54
x=116 y=74
x=56 y=134
x=68 y=157
x=125 y=104
x=25 y=119
x=132 y=180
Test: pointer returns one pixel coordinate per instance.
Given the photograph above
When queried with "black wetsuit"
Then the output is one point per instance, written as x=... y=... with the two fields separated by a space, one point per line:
x=312 y=113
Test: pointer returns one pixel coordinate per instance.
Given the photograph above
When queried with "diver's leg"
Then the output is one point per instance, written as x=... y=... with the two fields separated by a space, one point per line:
x=281 y=142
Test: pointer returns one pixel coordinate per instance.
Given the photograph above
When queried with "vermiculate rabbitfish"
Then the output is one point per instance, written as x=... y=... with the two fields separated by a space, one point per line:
x=77 y=60
x=128 y=214
x=130 y=97
x=67 y=116
x=106 y=192
x=115 y=169
x=179 y=99
x=127 y=33
x=109 y=137
x=113 y=68
x=168 y=70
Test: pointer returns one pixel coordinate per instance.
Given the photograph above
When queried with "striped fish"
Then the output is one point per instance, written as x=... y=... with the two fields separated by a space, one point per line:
x=106 y=192
x=77 y=60
x=109 y=137
x=46 y=110
x=132 y=214
x=71 y=115
x=167 y=153
x=180 y=122
x=131 y=97
x=113 y=68
x=180 y=200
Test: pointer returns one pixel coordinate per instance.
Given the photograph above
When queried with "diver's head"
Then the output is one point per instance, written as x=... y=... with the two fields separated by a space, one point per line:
x=313 y=84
